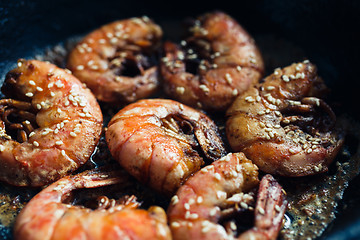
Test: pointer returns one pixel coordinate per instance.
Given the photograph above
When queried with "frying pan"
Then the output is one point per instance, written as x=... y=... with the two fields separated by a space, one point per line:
x=325 y=31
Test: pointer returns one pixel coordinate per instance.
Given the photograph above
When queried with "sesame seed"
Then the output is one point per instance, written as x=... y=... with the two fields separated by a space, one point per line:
x=204 y=170
x=261 y=210
x=180 y=90
x=244 y=205
x=63 y=152
x=29 y=94
x=199 y=200
x=36 y=144
x=175 y=224
x=39 y=89
x=213 y=212
x=235 y=92
x=285 y=78
x=19 y=64
x=174 y=200
x=204 y=88
x=31 y=134
x=32 y=83
x=238 y=68
x=2 y=148
x=306 y=61
x=50 y=85
x=249 y=99
x=292 y=151
x=277 y=208
x=82 y=114
x=187 y=206
x=221 y=195
x=58 y=143
x=228 y=78
x=217 y=176
x=233 y=226
x=309 y=150
x=270 y=88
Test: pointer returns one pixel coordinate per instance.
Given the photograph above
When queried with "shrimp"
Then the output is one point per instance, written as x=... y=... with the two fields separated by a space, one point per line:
x=46 y=216
x=205 y=199
x=49 y=128
x=118 y=61
x=215 y=63
x=283 y=126
x=162 y=142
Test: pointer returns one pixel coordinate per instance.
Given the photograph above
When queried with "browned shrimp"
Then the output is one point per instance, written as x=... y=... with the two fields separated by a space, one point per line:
x=117 y=61
x=218 y=192
x=215 y=63
x=162 y=142
x=282 y=126
x=49 y=128
x=47 y=216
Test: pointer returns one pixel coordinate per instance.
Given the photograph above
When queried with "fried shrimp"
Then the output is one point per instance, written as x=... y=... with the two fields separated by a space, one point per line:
x=47 y=216
x=118 y=61
x=283 y=126
x=218 y=192
x=216 y=61
x=162 y=142
x=49 y=126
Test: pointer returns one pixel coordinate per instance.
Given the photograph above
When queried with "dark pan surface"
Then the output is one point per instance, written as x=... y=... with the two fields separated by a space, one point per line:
x=323 y=31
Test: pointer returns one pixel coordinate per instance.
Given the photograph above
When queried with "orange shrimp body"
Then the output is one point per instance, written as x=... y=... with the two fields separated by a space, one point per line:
x=215 y=63
x=161 y=142
x=47 y=217
x=199 y=205
x=282 y=126
x=58 y=123
x=118 y=61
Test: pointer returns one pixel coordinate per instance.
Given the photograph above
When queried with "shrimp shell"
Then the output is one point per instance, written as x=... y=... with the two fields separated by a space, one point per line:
x=280 y=124
x=69 y=123
x=117 y=61
x=47 y=217
x=196 y=209
x=160 y=142
x=216 y=62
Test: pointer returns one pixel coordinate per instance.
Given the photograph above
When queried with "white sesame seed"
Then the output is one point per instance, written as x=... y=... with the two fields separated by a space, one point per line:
x=50 y=85
x=270 y=88
x=277 y=208
x=217 y=176
x=175 y=224
x=29 y=94
x=213 y=212
x=36 y=144
x=199 y=199
x=235 y=92
x=238 y=68
x=39 y=89
x=174 y=200
x=58 y=143
x=261 y=210
x=180 y=90
x=2 y=148
x=73 y=134
x=31 y=82
x=249 y=99
x=228 y=78
x=221 y=195
x=285 y=78
x=187 y=206
x=244 y=205
x=31 y=134
x=63 y=152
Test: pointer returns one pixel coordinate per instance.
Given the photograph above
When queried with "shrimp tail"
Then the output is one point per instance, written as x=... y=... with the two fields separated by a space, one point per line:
x=270 y=207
